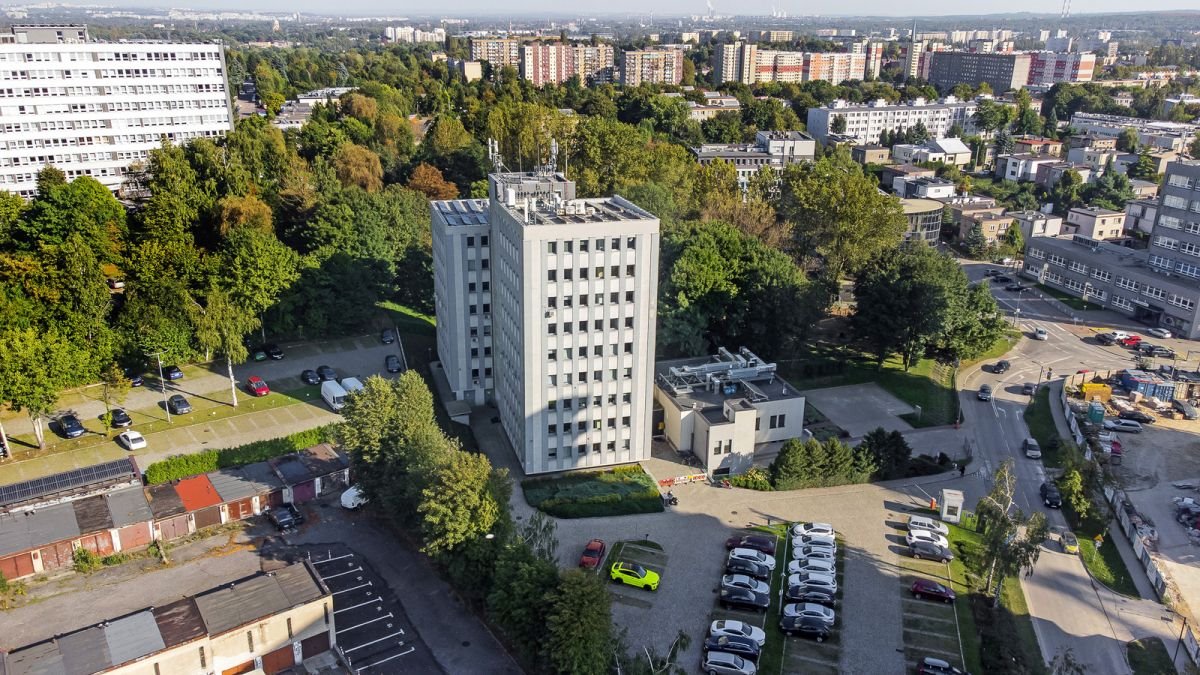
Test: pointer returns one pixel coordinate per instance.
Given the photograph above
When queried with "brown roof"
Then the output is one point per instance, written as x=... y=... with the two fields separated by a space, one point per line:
x=164 y=501
x=92 y=514
x=179 y=622
x=197 y=493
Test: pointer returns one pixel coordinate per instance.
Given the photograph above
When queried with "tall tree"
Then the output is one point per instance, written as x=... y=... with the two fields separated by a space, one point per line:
x=427 y=180
x=36 y=366
x=459 y=503
x=1012 y=542
x=1127 y=140
x=579 y=635
x=116 y=386
x=358 y=166
x=221 y=327
x=890 y=452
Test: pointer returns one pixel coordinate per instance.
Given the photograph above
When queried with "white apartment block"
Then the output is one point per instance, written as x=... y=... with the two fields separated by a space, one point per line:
x=566 y=323
x=865 y=122
x=499 y=52
x=746 y=63
x=94 y=108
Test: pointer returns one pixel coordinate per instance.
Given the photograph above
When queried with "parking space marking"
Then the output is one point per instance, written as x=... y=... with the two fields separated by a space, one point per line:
x=383 y=661
x=378 y=598
x=339 y=574
x=354 y=588
x=340 y=557
x=372 y=642
x=389 y=615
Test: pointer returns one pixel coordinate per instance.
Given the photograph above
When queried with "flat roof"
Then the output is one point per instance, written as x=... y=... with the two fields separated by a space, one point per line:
x=771 y=385
x=25 y=530
x=463 y=211
x=918 y=205
x=197 y=492
x=246 y=601
x=232 y=484
x=164 y=501
x=613 y=209
x=128 y=506
x=1129 y=262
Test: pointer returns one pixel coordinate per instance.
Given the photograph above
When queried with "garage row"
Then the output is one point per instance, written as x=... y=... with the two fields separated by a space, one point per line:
x=105 y=508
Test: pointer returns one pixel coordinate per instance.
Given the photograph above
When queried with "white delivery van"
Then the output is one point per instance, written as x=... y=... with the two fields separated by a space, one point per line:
x=334 y=395
x=352 y=384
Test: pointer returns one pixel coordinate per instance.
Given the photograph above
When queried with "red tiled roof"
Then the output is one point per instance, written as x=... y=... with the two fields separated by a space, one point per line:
x=197 y=492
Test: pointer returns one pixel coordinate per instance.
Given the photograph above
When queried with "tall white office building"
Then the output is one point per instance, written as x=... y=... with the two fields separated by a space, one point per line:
x=566 y=324
x=93 y=108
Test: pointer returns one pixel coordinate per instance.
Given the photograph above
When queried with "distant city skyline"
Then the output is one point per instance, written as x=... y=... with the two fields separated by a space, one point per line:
x=830 y=8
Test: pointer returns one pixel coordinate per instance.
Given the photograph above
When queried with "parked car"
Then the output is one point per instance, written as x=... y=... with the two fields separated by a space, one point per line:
x=1016 y=288
x=387 y=336
x=1031 y=448
x=933 y=666
x=804 y=626
x=173 y=373
x=1029 y=389
x=1068 y=542
x=991 y=273
x=744 y=598
x=135 y=378
x=257 y=386
x=391 y=362
x=813 y=553
x=928 y=524
x=1106 y=338
x=257 y=353
x=731 y=644
x=1159 y=333
x=1002 y=279
x=593 y=553
x=1051 y=497
x=1130 y=341
x=928 y=588
x=753 y=556
x=985 y=392
x=750 y=569
x=738 y=629
x=826 y=540
x=754 y=541
x=119 y=419
x=70 y=426
x=178 y=405
x=927 y=550
x=1123 y=425
x=812 y=565
x=326 y=373
x=802 y=594
x=1001 y=367
x=1137 y=416
x=1041 y=334
x=926 y=535
x=352 y=498
x=814 y=580
x=273 y=351
x=801 y=529
x=743 y=581
x=632 y=574
x=1186 y=409
x=132 y=440
x=809 y=609
x=310 y=377
x=285 y=516
x=722 y=663
x=1162 y=353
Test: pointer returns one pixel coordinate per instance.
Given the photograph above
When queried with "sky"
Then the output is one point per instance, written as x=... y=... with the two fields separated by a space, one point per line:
x=677 y=7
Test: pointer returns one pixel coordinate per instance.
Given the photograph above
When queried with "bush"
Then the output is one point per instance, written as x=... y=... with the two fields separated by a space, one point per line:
x=924 y=465
x=86 y=561
x=754 y=479
x=182 y=466
x=620 y=491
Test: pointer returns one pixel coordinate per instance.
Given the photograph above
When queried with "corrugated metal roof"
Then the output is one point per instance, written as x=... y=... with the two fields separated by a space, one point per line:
x=26 y=530
x=84 y=652
x=40 y=659
x=197 y=492
x=310 y=463
x=251 y=599
x=91 y=513
x=179 y=622
x=133 y=637
x=261 y=474
x=291 y=470
x=234 y=484
x=128 y=506
x=164 y=501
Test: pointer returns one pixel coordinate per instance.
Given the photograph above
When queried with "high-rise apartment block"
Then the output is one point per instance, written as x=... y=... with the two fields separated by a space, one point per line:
x=546 y=305
x=652 y=66
x=543 y=63
x=93 y=108
x=865 y=122
x=1051 y=67
x=1002 y=72
x=499 y=52
x=746 y=63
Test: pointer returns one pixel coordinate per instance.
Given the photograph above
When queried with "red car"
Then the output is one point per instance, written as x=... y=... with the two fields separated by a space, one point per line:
x=257 y=387
x=593 y=553
x=927 y=588
x=1131 y=341
x=752 y=541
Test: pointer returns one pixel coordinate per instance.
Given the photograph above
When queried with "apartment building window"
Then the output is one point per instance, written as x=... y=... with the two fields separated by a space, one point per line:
x=616 y=243
x=582 y=448
x=1189 y=248
x=1177 y=180
x=552 y=247
x=567 y=275
x=599 y=244
x=552 y=380
x=568 y=246
x=568 y=301
x=1188 y=269
x=552 y=404
x=614 y=271
x=629 y=270
x=551 y=275
x=629 y=322
x=1056 y=259
x=598 y=299
x=1078 y=267
x=1170 y=222
x=1159 y=261
x=552 y=429
x=1180 y=301
x=1121 y=302
x=583 y=245
x=1175 y=202
x=582 y=403
x=552 y=302
x=470 y=241
x=1153 y=292
x=626 y=397
x=552 y=329
x=1036 y=253
x=1127 y=284
x=583 y=300
x=1166 y=242
x=581 y=426
x=631 y=243
x=1191 y=228
x=628 y=296
x=552 y=453
x=582 y=376
x=250 y=639
x=1102 y=275
x=483 y=241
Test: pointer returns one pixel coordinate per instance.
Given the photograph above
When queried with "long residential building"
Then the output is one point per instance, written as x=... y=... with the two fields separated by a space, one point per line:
x=543 y=63
x=1047 y=67
x=1159 y=286
x=556 y=299
x=1002 y=72
x=866 y=121
x=651 y=66
x=746 y=63
x=498 y=51
x=94 y=108
x=1154 y=134
x=775 y=149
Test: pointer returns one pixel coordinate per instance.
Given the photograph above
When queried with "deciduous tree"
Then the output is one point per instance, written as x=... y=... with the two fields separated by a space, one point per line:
x=221 y=327
x=427 y=180
x=579 y=636
x=356 y=165
x=459 y=503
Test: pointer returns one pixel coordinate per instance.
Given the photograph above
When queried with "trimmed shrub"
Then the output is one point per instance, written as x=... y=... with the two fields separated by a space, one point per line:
x=619 y=491
x=754 y=479
x=182 y=466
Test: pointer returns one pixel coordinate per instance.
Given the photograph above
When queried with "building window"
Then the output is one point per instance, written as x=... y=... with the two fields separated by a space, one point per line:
x=289 y=627
x=552 y=275
x=204 y=659
x=583 y=245
x=599 y=244
x=551 y=247
x=631 y=243
x=552 y=429
x=568 y=246
x=757 y=423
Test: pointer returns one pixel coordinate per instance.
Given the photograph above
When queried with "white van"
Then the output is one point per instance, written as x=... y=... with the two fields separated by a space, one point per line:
x=353 y=498
x=352 y=384
x=334 y=395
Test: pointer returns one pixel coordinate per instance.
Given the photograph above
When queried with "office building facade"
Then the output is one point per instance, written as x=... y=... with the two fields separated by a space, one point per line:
x=652 y=66
x=94 y=108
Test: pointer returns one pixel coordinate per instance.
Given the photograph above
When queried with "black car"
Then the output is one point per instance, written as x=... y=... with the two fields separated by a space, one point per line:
x=744 y=647
x=388 y=336
x=135 y=378
x=326 y=373
x=1001 y=279
x=173 y=373
x=927 y=550
x=744 y=598
x=934 y=666
x=1105 y=338
x=1016 y=288
x=819 y=596
x=392 y=363
x=70 y=426
x=749 y=568
x=285 y=516
x=118 y=418
x=178 y=405
x=1162 y=353
x=991 y=273
x=1001 y=367
x=310 y=377
x=1029 y=389
x=273 y=351
x=804 y=626
x=1051 y=497
x=752 y=541
x=1137 y=416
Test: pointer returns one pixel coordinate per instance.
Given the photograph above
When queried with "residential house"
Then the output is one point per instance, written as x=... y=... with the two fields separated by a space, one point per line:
x=1021 y=167
x=1096 y=223
x=870 y=154
x=1036 y=145
x=945 y=150
x=1037 y=224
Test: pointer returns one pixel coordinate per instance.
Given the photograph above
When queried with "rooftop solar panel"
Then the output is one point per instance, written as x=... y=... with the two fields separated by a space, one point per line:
x=67 y=480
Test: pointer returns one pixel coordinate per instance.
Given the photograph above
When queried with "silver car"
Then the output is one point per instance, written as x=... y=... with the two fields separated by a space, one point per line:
x=727 y=664
x=743 y=581
x=809 y=609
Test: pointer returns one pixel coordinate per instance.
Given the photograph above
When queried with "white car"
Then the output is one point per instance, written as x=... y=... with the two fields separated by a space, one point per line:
x=811 y=565
x=825 y=582
x=826 y=540
x=743 y=581
x=753 y=556
x=813 y=553
x=1159 y=333
x=738 y=629
x=132 y=440
x=928 y=537
x=353 y=498
x=1123 y=425
x=809 y=609
x=928 y=524
x=801 y=529
x=1040 y=334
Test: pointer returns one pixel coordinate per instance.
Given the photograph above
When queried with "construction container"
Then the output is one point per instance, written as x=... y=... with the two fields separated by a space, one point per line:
x=1096 y=391
x=1095 y=413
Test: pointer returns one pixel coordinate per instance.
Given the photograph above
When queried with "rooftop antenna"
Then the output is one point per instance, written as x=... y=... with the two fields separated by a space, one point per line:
x=494 y=155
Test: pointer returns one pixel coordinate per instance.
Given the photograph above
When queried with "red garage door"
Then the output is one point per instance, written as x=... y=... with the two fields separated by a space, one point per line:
x=57 y=556
x=17 y=566
x=134 y=536
x=241 y=509
x=304 y=492
x=280 y=659
x=314 y=645
x=99 y=543
x=275 y=499
x=208 y=517
x=173 y=528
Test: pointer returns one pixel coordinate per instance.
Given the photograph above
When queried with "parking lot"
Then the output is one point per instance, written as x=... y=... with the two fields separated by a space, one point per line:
x=930 y=626
x=639 y=553
x=804 y=655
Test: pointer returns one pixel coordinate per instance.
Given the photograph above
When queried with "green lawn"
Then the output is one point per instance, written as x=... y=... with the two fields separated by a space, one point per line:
x=1067 y=299
x=771 y=659
x=619 y=491
x=1056 y=452
x=1149 y=656
x=1106 y=565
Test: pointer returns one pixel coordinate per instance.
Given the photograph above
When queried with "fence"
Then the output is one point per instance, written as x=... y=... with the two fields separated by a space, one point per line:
x=1076 y=432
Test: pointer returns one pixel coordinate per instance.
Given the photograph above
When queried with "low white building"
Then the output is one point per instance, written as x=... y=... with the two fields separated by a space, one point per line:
x=945 y=150
x=1096 y=223
x=726 y=408
x=1037 y=224
x=1022 y=166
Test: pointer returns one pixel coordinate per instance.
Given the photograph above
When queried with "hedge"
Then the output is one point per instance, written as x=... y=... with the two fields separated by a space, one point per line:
x=182 y=466
x=620 y=491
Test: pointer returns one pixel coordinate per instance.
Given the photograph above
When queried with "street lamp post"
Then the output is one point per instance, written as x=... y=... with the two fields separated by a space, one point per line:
x=162 y=384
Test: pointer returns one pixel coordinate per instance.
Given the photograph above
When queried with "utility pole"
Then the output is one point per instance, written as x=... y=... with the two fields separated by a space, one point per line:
x=162 y=384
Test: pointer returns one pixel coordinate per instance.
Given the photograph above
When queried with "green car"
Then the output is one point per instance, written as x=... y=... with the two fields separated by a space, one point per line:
x=633 y=575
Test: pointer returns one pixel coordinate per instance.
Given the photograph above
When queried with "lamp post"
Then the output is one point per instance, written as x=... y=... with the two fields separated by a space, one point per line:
x=162 y=384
